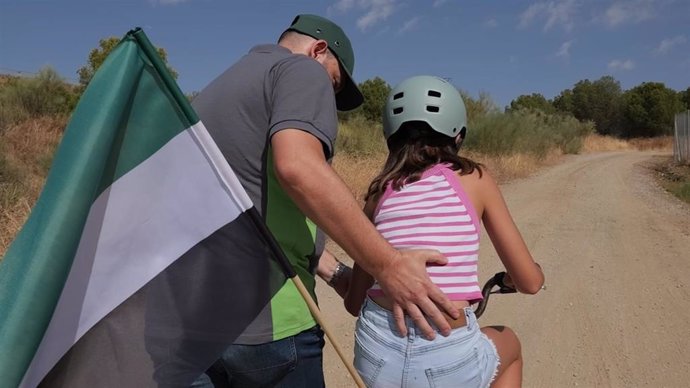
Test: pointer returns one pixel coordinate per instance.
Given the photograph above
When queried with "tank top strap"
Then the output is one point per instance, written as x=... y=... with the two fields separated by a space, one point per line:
x=452 y=178
x=387 y=193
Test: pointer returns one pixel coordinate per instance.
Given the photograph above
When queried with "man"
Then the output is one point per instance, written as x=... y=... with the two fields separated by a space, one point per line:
x=273 y=115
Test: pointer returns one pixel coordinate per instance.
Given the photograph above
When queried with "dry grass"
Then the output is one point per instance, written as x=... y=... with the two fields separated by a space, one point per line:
x=599 y=143
x=664 y=143
x=4 y=79
x=509 y=167
x=358 y=171
x=33 y=142
x=27 y=151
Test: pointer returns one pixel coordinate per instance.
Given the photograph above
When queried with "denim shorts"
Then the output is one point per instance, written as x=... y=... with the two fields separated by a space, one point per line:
x=466 y=358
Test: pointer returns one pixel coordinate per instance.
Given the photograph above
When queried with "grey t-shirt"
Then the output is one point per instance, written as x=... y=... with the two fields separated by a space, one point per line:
x=266 y=91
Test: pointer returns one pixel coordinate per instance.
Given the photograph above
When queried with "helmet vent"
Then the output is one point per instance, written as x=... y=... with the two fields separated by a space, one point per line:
x=432 y=109
x=397 y=111
x=398 y=96
x=433 y=93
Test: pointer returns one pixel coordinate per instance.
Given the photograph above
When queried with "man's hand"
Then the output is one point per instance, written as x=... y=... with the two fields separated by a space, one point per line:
x=407 y=283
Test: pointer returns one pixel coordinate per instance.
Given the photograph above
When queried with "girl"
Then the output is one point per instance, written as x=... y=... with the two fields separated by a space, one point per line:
x=428 y=197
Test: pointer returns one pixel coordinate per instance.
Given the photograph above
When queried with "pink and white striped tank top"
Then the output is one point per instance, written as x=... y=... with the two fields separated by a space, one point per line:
x=435 y=213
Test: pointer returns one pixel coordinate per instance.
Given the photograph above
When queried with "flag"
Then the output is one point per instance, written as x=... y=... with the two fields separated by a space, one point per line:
x=143 y=258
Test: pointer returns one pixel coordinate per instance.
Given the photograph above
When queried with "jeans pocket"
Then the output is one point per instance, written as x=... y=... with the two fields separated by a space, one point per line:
x=461 y=373
x=261 y=365
x=368 y=364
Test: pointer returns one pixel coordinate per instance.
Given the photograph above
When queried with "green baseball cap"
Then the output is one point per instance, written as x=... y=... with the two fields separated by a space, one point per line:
x=350 y=97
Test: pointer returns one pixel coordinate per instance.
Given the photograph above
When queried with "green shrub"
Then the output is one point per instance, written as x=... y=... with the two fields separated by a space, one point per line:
x=527 y=132
x=683 y=192
x=359 y=136
x=491 y=133
x=45 y=94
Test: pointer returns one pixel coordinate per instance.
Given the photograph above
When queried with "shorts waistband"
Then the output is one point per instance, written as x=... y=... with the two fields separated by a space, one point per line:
x=466 y=318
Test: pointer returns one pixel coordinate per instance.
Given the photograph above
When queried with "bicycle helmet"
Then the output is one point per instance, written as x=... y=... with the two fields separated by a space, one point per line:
x=425 y=98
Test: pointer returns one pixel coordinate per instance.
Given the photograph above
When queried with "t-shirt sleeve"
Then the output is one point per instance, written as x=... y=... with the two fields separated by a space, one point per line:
x=302 y=98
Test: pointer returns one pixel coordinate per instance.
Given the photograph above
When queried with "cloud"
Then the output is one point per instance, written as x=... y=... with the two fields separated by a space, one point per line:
x=438 y=3
x=374 y=10
x=618 y=64
x=564 y=50
x=667 y=44
x=556 y=13
x=408 y=25
x=342 y=5
x=530 y=14
x=491 y=23
x=628 y=11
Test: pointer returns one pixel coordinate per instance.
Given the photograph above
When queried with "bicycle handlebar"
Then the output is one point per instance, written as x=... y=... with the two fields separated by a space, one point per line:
x=487 y=290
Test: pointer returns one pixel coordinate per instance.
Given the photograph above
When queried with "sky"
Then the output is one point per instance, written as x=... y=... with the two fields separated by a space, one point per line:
x=504 y=48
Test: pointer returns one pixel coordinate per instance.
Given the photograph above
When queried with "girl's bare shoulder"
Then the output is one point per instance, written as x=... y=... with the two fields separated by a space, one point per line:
x=477 y=177
x=481 y=187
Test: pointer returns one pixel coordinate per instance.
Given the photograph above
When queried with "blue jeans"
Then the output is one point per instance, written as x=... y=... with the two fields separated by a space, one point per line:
x=466 y=358
x=295 y=361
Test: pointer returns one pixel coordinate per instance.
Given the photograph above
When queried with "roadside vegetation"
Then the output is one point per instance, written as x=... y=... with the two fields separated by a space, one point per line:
x=675 y=178
x=512 y=142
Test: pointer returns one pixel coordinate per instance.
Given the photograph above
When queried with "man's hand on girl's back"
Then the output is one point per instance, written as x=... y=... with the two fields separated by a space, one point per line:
x=406 y=282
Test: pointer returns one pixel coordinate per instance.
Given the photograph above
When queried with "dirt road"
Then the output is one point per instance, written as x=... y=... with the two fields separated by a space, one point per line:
x=615 y=249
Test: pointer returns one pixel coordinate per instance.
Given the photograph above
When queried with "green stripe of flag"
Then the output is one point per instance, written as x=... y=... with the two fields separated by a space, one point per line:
x=101 y=143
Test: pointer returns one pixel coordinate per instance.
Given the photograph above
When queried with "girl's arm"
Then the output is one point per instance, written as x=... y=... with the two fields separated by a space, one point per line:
x=523 y=272
x=360 y=281
x=334 y=273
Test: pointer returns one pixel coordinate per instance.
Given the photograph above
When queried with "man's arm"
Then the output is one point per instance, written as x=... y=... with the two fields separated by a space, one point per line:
x=318 y=191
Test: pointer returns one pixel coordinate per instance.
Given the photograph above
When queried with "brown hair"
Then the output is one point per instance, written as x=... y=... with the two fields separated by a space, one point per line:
x=412 y=150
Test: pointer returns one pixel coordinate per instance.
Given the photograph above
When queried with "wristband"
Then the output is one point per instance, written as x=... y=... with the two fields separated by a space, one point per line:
x=340 y=269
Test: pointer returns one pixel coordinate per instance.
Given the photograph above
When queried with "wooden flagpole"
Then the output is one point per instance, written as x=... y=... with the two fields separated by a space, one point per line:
x=291 y=274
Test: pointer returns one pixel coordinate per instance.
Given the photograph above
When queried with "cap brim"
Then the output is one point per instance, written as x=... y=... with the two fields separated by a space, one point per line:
x=350 y=97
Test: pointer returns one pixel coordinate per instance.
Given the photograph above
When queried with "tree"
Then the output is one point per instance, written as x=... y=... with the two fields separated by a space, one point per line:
x=478 y=108
x=375 y=92
x=607 y=109
x=533 y=102
x=98 y=55
x=598 y=101
x=649 y=109
x=564 y=102
x=685 y=97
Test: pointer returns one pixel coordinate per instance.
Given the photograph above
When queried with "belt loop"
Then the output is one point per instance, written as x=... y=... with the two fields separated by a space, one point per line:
x=411 y=328
x=469 y=318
